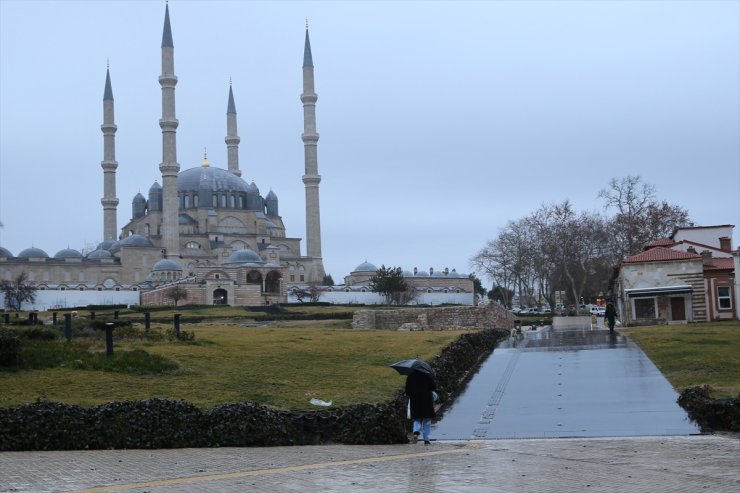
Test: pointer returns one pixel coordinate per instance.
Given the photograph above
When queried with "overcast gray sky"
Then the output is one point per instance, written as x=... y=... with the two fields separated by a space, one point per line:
x=439 y=121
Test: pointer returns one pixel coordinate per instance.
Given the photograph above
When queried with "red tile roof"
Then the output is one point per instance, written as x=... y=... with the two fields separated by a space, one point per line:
x=667 y=242
x=720 y=263
x=660 y=254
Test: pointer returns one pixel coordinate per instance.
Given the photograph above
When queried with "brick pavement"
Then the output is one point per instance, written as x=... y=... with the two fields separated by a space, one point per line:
x=649 y=464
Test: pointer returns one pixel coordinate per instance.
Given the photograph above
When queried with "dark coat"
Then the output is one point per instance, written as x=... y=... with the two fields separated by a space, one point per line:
x=611 y=313
x=419 y=387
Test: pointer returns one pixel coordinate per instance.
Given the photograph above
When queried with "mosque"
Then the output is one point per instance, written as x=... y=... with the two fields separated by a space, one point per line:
x=204 y=229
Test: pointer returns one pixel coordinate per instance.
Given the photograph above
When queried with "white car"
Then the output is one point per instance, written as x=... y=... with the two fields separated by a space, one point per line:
x=599 y=311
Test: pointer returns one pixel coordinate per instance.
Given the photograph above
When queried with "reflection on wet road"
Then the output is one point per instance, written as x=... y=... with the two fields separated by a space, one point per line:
x=571 y=380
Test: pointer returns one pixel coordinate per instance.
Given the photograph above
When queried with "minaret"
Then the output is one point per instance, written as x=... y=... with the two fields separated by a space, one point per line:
x=109 y=163
x=232 y=139
x=169 y=165
x=312 y=178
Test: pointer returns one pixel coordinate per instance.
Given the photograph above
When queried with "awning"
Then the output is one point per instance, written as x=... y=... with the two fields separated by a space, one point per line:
x=659 y=291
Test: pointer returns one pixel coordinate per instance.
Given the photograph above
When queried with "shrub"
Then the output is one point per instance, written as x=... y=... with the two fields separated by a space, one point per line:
x=10 y=345
x=711 y=414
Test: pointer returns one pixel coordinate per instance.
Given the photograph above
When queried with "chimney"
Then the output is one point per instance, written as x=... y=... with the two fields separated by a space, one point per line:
x=691 y=249
x=725 y=244
x=706 y=257
x=431 y=270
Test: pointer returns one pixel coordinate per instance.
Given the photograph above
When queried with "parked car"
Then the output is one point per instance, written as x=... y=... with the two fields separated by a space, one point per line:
x=599 y=311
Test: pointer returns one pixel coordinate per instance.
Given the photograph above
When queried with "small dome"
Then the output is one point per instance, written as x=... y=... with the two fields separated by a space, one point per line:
x=166 y=264
x=107 y=245
x=138 y=198
x=243 y=255
x=156 y=187
x=271 y=195
x=407 y=273
x=137 y=241
x=252 y=188
x=99 y=253
x=68 y=253
x=4 y=252
x=422 y=273
x=438 y=273
x=365 y=267
x=33 y=252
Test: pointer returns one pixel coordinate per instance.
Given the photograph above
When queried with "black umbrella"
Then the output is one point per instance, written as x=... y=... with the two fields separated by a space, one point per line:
x=408 y=366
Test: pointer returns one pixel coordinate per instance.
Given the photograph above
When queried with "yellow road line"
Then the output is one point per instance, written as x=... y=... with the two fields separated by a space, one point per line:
x=278 y=470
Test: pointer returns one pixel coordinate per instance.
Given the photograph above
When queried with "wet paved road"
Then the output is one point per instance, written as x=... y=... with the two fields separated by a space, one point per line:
x=568 y=381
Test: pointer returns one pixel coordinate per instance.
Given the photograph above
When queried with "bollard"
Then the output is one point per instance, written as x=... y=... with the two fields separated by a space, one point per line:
x=115 y=315
x=147 y=323
x=109 y=339
x=68 y=326
x=54 y=318
x=177 y=325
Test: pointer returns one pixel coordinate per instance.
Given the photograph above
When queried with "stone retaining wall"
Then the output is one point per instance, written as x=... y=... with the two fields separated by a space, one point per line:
x=488 y=316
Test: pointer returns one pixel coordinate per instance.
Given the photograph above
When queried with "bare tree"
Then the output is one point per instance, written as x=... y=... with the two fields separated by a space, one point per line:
x=177 y=293
x=640 y=218
x=17 y=291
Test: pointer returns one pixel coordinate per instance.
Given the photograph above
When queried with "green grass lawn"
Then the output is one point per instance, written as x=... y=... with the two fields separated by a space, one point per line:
x=694 y=354
x=282 y=365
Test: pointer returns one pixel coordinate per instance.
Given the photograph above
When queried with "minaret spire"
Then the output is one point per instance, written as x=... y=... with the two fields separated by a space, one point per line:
x=311 y=178
x=109 y=163
x=169 y=167
x=232 y=139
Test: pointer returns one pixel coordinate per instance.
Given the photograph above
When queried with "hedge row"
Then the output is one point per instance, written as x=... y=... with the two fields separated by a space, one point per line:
x=711 y=414
x=161 y=423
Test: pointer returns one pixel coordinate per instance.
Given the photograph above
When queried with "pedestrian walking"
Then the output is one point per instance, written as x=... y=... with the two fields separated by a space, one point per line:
x=610 y=315
x=420 y=387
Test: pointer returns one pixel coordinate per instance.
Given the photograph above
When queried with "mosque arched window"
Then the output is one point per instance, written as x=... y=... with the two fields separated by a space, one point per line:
x=223 y=201
x=195 y=200
x=215 y=201
x=232 y=201
x=187 y=201
x=241 y=202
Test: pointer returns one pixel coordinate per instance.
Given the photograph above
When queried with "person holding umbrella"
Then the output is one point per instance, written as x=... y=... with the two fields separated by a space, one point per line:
x=420 y=387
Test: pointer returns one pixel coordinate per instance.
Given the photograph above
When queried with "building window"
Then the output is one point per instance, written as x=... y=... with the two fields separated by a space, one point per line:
x=223 y=201
x=217 y=276
x=292 y=278
x=118 y=289
x=302 y=278
x=723 y=298
x=187 y=201
x=645 y=308
x=81 y=288
x=100 y=289
x=195 y=201
x=232 y=201
x=215 y=200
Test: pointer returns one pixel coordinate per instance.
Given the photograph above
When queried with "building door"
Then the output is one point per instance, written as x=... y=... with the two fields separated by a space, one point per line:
x=220 y=297
x=678 y=309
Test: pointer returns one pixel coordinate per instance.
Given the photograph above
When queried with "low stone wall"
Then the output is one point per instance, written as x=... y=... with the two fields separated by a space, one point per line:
x=488 y=316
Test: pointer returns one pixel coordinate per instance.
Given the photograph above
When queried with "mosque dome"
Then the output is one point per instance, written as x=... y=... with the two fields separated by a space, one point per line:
x=133 y=241
x=365 y=267
x=99 y=253
x=33 y=252
x=156 y=187
x=438 y=273
x=208 y=177
x=407 y=273
x=4 y=252
x=422 y=273
x=107 y=245
x=166 y=264
x=68 y=253
x=243 y=255
x=252 y=187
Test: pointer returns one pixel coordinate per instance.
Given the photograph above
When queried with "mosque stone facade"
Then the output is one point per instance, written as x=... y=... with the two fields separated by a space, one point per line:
x=204 y=228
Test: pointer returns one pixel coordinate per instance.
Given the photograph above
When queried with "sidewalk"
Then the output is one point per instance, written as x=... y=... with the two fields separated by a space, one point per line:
x=654 y=464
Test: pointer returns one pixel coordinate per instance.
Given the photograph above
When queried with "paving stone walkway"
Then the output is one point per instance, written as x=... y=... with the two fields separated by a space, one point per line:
x=652 y=464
